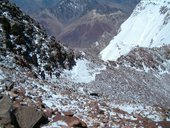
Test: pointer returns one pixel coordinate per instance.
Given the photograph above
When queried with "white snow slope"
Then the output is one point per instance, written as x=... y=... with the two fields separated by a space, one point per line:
x=83 y=72
x=148 y=26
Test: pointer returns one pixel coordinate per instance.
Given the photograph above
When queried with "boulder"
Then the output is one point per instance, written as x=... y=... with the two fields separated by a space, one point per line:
x=74 y=122
x=21 y=91
x=5 y=108
x=68 y=113
x=28 y=117
x=48 y=112
x=94 y=94
x=57 y=117
x=71 y=121
x=16 y=104
x=9 y=85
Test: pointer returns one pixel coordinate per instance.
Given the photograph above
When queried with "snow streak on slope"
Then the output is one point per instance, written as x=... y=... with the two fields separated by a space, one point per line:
x=148 y=26
x=84 y=71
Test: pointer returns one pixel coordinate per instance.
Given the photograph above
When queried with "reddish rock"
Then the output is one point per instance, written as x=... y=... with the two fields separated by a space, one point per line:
x=165 y=124
x=39 y=104
x=96 y=125
x=21 y=91
x=16 y=104
x=71 y=121
x=48 y=112
x=69 y=113
x=75 y=122
x=56 y=111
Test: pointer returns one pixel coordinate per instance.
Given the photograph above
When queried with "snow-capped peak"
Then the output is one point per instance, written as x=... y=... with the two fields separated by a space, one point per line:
x=148 y=26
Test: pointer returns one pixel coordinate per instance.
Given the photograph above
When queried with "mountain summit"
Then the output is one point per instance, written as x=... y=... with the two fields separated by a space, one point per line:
x=148 y=26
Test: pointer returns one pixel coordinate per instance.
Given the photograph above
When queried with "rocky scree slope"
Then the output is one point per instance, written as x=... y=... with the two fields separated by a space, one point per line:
x=25 y=43
x=141 y=58
x=67 y=104
x=119 y=96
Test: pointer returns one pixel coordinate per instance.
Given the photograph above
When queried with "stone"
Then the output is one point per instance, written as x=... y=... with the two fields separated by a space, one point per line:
x=5 y=108
x=12 y=94
x=21 y=91
x=15 y=91
x=75 y=122
x=9 y=85
x=57 y=117
x=96 y=125
x=94 y=94
x=39 y=104
x=22 y=81
x=101 y=111
x=70 y=120
x=48 y=112
x=69 y=113
x=28 y=117
x=16 y=104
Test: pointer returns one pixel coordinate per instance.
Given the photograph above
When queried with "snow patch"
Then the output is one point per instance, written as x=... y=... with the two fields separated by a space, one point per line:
x=1 y=30
x=1 y=75
x=6 y=14
x=145 y=111
x=58 y=124
x=97 y=43
x=84 y=71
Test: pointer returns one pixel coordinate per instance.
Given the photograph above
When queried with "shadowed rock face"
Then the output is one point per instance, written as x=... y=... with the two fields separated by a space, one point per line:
x=79 y=23
x=28 y=43
x=27 y=117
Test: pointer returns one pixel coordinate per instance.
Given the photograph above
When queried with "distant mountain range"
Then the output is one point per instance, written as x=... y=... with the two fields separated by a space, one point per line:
x=79 y=23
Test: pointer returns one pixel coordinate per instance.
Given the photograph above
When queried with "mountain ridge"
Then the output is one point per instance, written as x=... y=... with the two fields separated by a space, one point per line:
x=64 y=15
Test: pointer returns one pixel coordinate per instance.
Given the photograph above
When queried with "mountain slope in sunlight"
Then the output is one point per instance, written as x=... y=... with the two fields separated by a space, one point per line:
x=148 y=26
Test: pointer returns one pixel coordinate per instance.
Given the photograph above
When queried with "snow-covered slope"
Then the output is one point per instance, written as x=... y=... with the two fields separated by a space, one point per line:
x=148 y=26
x=84 y=71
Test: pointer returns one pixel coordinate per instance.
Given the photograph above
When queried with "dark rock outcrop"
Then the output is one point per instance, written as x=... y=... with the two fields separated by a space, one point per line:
x=28 y=44
x=28 y=117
